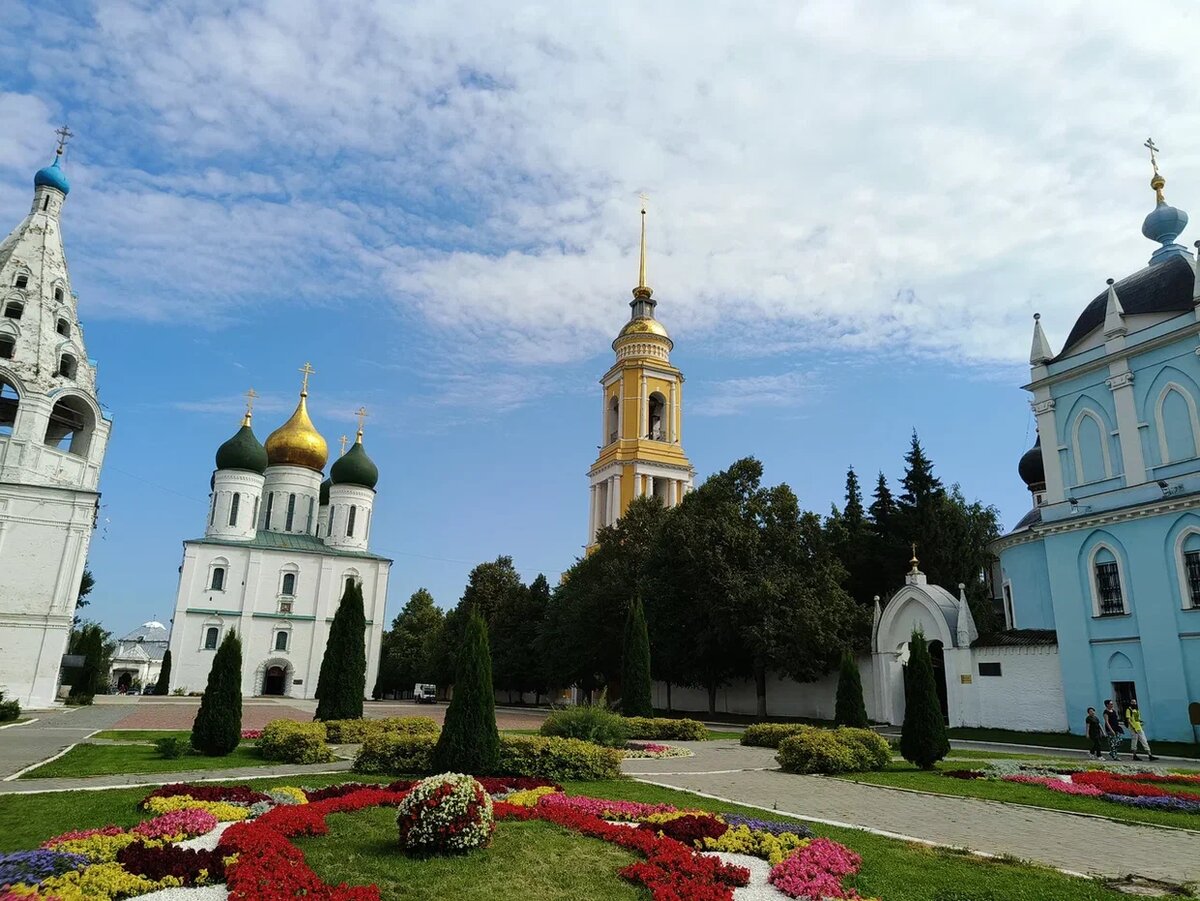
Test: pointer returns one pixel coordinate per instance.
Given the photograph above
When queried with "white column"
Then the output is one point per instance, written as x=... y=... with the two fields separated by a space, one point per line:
x=1120 y=382
x=604 y=417
x=671 y=410
x=593 y=511
x=672 y=488
x=650 y=485
x=616 y=490
x=621 y=409
x=643 y=404
x=679 y=412
x=1043 y=408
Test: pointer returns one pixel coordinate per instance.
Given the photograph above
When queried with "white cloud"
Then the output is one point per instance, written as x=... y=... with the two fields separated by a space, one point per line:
x=737 y=396
x=911 y=178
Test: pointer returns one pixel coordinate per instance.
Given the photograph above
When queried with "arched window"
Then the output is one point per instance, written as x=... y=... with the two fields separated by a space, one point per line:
x=254 y=517
x=8 y=347
x=287 y=586
x=67 y=366
x=1108 y=589
x=351 y=578
x=1175 y=418
x=291 y=513
x=656 y=421
x=211 y=634
x=312 y=506
x=70 y=427
x=212 y=508
x=1092 y=463
x=267 y=515
x=217 y=581
x=233 y=508
x=10 y=401
x=350 y=521
x=14 y=309
x=58 y=293
x=614 y=420
x=1187 y=559
x=63 y=328
x=22 y=281
x=281 y=640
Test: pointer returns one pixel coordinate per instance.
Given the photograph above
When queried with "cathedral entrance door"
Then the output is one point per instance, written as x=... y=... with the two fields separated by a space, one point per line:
x=273 y=681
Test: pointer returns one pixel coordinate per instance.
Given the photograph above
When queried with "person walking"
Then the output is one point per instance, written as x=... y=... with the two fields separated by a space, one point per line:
x=1112 y=728
x=1093 y=730
x=1137 y=732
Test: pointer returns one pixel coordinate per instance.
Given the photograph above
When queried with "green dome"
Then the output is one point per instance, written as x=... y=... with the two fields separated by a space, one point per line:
x=324 y=493
x=243 y=451
x=355 y=468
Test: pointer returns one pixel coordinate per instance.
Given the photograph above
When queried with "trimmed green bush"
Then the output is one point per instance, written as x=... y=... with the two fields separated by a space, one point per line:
x=850 y=710
x=871 y=750
x=923 y=740
x=342 y=681
x=469 y=742
x=172 y=746
x=520 y=755
x=769 y=735
x=354 y=732
x=636 y=689
x=9 y=710
x=661 y=728
x=217 y=728
x=815 y=751
x=164 y=675
x=593 y=723
x=291 y=742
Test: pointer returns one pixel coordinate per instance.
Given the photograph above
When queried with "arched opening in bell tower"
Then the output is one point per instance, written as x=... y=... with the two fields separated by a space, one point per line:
x=614 y=420
x=656 y=420
x=10 y=400
x=70 y=427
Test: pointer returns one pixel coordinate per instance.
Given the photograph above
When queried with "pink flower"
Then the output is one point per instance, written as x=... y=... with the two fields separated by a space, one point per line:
x=816 y=871
x=176 y=823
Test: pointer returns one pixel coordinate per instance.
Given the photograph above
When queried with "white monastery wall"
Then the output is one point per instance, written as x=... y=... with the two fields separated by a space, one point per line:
x=1026 y=696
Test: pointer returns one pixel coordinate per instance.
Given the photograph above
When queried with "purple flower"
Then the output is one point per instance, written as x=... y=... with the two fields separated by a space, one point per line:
x=775 y=827
x=31 y=867
x=1166 y=802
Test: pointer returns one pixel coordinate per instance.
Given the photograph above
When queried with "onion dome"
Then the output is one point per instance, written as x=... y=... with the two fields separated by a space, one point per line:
x=1164 y=222
x=243 y=451
x=644 y=327
x=354 y=467
x=1032 y=468
x=52 y=176
x=297 y=442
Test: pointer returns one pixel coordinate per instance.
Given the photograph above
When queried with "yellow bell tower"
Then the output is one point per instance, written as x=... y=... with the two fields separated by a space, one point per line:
x=641 y=417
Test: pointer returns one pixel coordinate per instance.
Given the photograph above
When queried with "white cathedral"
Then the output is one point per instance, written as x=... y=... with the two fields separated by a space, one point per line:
x=53 y=435
x=279 y=549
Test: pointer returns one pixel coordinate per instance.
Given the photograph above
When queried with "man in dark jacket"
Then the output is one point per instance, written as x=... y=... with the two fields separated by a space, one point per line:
x=1112 y=728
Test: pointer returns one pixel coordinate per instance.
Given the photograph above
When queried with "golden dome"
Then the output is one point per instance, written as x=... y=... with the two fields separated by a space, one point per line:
x=297 y=442
x=644 y=327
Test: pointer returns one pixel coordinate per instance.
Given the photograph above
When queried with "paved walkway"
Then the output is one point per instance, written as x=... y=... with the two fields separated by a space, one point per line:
x=28 y=743
x=92 y=783
x=1079 y=844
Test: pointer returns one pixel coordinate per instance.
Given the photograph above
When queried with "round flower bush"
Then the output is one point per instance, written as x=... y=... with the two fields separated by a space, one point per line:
x=446 y=813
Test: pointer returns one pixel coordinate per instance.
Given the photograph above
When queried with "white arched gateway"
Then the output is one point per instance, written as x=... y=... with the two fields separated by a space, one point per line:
x=274 y=677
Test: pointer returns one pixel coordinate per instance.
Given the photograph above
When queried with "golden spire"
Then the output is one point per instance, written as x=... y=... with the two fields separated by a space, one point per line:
x=1157 y=182
x=250 y=395
x=642 y=289
x=362 y=414
x=914 y=560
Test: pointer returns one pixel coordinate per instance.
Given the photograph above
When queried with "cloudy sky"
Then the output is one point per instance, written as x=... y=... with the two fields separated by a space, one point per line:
x=855 y=208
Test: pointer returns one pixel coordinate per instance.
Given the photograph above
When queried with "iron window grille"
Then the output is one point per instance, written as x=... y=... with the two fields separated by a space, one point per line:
x=1108 y=582
x=1192 y=561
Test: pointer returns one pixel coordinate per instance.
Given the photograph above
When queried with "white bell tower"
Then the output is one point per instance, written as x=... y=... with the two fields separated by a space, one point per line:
x=53 y=436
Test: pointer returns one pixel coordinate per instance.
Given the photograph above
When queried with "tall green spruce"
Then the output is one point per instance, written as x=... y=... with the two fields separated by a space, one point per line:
x=343 y=677
x=163 y=685
x=635 y=664
x=850 y=709
x=923 y=740
x=217 y=728
x=469 y=742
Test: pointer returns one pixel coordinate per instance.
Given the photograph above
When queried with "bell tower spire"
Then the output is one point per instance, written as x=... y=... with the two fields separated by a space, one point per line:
x=642 y=289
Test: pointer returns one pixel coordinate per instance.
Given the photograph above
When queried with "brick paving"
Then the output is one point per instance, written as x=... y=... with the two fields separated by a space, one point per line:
x=1080 y=844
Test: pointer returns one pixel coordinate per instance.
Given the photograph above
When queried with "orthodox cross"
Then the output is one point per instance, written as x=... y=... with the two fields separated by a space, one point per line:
x=644 y=199
x=362 y=414
x=343 y=440
x=250 y=395
x=64 y=134
x=307 y=370
x=914 y=561
x=1153 y=148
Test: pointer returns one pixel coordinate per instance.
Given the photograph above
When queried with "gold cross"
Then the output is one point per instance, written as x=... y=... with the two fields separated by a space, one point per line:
x=362 y=414
x=64 y=135
x=1153 y=148
x=307 y=370
x=343 y=440
x=250 y=395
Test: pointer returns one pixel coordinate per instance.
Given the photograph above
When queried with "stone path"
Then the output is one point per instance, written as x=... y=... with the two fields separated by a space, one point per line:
x=92 y=783
x=54 y=730
x=1076 y=843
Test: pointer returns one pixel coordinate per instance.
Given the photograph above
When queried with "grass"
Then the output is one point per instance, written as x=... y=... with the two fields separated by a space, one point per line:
x=1061 y=740
x=893 y=870
x=108 y=760
x=716 y=734
x=525 y=860
x=905 y=775
x=142 y=735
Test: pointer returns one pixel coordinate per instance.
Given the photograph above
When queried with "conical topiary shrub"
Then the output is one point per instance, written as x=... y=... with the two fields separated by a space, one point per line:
x=163 y=685
x=923 y=740
x=217 y=728
x=343 y=677
x=850 y=709
x=635 y=664
x=469 y=742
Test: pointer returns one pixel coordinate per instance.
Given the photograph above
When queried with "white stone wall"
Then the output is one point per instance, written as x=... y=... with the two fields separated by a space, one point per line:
x=341 y=499
x=248 y=487
x=1027 y=696
x=282 y=482
x=250 y=603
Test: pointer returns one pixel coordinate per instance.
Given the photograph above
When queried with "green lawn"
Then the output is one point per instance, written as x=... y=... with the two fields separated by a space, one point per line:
x=968 y=754
x=893 y=870
x=107 y=760
x=143 y=735
x=715 y=734
x=905 y=775
x=524 y=861
x=1062 y=740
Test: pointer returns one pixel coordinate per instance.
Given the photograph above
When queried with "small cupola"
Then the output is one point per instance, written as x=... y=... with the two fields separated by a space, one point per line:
x=1032 y=470
x=243 y=450
x=354 y=467
x=53 y=176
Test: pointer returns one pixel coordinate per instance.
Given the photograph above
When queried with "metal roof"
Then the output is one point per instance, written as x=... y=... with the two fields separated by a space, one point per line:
x=281 y=541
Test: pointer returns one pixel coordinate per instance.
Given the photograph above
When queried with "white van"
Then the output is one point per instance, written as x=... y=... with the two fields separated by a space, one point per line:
x=423 y=693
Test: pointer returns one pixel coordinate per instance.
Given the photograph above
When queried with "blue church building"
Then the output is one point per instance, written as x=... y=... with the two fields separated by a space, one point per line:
x=1109 y=557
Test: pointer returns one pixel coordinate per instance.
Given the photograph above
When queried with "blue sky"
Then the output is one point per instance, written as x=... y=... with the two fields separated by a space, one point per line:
x=855 y=209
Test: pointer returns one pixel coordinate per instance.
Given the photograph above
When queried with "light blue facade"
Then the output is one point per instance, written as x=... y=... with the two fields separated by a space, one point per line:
x=1103 y=559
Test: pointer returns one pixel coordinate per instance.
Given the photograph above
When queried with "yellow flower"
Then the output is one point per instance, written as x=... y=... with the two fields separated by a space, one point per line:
x=222 y=810
x=102 y=882
x=529 y=797
x=741 y=840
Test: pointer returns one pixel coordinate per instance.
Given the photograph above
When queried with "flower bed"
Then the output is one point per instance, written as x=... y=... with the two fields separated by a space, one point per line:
x=653 y=751
x=1149 y=791
x=445 y=813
